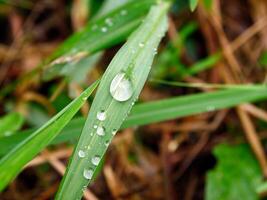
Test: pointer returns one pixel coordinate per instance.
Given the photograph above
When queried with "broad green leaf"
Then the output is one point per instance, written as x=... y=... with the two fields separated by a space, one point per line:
x=125 y=77
x=12 y=163
x=10 y=123
x=166 y=109
x=236 y=175
x=99 y=34
x=193 y=4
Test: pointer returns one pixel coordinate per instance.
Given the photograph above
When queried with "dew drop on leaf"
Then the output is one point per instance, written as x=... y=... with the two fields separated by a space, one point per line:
x=95 y=160
x=141 y=44
x=104 y=29
x=108 y=21
x=100 y=131
x=88 y=173
x=210 y=108
x=121 y=88
x=101 y=115
x=123 y=12
x=81 y=154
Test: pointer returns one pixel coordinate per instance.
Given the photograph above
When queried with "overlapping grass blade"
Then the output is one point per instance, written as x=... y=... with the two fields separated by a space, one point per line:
x=193 y=4
x=99 y=34
x=90 y=40
x=192 y=104
x=131 y=64
x=12 y=163
x=10 y=123
x=144 y=113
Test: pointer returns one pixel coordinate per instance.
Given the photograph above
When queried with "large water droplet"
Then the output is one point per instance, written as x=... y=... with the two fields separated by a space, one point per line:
x=100 y=131
x=95 y=160
x=101 y=116
x=121 y=88
x=88 y=173
x=81 y=153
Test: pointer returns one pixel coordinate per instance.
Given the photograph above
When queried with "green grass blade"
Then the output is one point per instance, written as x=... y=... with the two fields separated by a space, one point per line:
x=99 y=34
x=192 y=104
x=89 y=41
x=181 y=107
x=193 y=4
x=12 y=163
x=133 y=60
x=10 y=123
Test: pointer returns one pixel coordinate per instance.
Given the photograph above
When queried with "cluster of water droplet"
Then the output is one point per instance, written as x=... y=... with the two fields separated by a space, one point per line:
x=108 y=22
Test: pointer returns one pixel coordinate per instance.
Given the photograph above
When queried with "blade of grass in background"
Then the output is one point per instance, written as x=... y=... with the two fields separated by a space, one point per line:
x=10 y=123
x=192 y=104
x=99 y=34
x=144 y=113
x=117 y=92
x=12 y=163
x=193 y=4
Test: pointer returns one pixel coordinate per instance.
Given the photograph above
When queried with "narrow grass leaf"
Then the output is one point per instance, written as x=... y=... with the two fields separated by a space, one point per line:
x=99 y=34
x=10 y=123
x=90 y=40
x=117 y=92
x=192 y=104
x=193 y=4
x=12 y=163
x=181 y=107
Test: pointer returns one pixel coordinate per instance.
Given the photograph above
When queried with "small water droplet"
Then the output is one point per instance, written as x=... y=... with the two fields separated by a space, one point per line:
x=121 y=88
x=108 y=21
x=95 y=160
x=123 y=12
x=107 y=143
x=114 y=131
x=88 y=173
x=133 y=103
x=210 y=108
x=141 y=44
x=155 y=51
x=81 y=153
x=100 y=131
x=95 y=126
x=84 y=98
x=101 y=116
x=84 y=188
x=104 y=29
